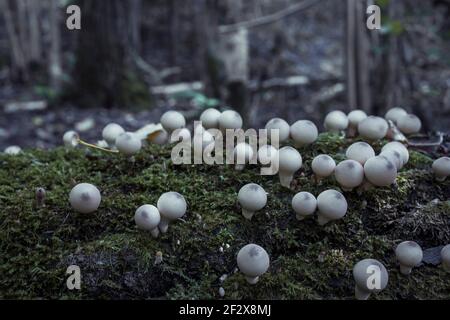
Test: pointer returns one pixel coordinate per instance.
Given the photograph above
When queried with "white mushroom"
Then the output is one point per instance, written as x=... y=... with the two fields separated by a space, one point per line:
x=253 y=261
x=304 y=132
x=230 y=120
x=280 y=125
x=360 y=151
x=380 y=171
x=445 y=256
x=180 y=135
x=373 y=128
x=171 y=206
x=304 y=205
x=409 y=255
x=172 y=120
x=13 y=150
x=441 y=168
x=243 y=153
x=409 y=124
x=323 y=166
x=290 y=161
x=160 y=138
x=354 y=118
x=331 y=205
x=85 y=198
x=349 y=174
x=395 y=145
x=147 y=218
x=394 y=114
x=268 y=155
x=336 y=121
x=252 y=198
x=111 y=132
x=370 y=276
x=394 y=156
x=71 y=139
x=210 y=118
x=128 y=144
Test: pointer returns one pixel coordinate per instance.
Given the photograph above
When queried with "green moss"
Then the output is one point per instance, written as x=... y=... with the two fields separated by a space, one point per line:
x=117 y=261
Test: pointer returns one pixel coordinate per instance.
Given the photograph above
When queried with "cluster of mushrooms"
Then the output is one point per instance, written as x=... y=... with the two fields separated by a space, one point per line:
x=362 y=169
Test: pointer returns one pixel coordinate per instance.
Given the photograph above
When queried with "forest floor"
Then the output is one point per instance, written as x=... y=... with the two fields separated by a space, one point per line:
x=308 y=261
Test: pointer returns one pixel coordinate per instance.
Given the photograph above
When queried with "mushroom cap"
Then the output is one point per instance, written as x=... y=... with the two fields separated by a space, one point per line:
x=111 y=132
x=336 y=121
x=445 y=254
x=85 y=198
x=230 y=120
x=373 y=128
x=349 y=173
x=409 y=124
x=13 y=150
x=332 y=204
x=441 y=167
x=210 y=118
x=304 y=203
x=243 y=152
x=160 y=138
x=289 y=159
x=71 y=138
x=180 y=135
x=360 y=151
x=281 y=125
x=304 y=132
x=128 y=143
x=394 y=114
x=355 y=117
x=267 y=154
x=362 y=272
x=409 y=253
x=394 y=156
x=172 y=120
x=323 y=165
x=147 y=217
x=400 y=148
x=252 y=197
x=380 y=171
x=171 y=205
x=253 y=260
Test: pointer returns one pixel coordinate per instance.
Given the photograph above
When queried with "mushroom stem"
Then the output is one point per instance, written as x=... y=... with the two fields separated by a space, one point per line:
x=351 y=133
x=346 y=189
x=286 y=179
x=361 y=294
x=299 y=217
x=446 y=267
x=322 y=220
x=163 y=225
x=440 y=179
x=93 y=146
x=405 y=269
x=251 y=280
x=239 y=167
x=155 y=232
x=247 y=214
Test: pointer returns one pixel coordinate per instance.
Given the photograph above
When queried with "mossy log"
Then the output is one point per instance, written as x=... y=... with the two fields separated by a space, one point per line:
x=38 y=243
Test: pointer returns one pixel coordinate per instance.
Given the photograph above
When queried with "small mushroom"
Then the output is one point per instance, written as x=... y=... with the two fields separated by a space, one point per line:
x=160 y=138
x=128 y=144
x=409 y=255
x=445 y=256
x=180 y=135
x=147 y=218
x=354 y=118
x=349 y=174
x=13 y=150
x=158 y=258
x=252 y=198
x=304 y=132
x=253 y=261
x=71 y=139
x=409 y=124
x=40 y=196
x=230 y=120
x=171 y=206
x=360 y=151
x=323 y=166
x=243 y=153
x=85 y=198
x=172 y=120
x=394 y=156
x=268 y=155
x=373 y=128
x=304 y=205
x=290 y=161
x=336 y=121
x=370 y=276
x=111 y=132
x=210 y=118
x=280 y=125
x=332 y=205
x=380 y=171
x=441 y=168
x=394 y=114
x=395 y=145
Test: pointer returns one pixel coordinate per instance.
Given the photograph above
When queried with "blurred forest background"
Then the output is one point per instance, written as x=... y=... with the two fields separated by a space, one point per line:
x=132 y=60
